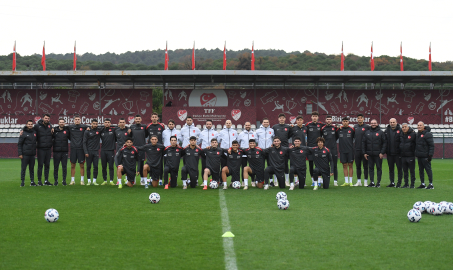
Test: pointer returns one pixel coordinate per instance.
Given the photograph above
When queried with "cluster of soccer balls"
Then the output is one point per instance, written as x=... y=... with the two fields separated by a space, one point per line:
x=282 y=200
x=436 y=209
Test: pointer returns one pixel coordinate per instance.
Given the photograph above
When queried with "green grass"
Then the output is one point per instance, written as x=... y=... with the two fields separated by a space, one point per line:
x=106 y=228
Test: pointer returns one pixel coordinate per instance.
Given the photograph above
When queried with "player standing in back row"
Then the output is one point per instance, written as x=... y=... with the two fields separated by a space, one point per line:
x=313 y=133
x=77 y=155
x=360 y=129
x=346 y=136
x=108 y=138
x=139 y=134
x=243 y=138
x=330 y=134
x=283 y=131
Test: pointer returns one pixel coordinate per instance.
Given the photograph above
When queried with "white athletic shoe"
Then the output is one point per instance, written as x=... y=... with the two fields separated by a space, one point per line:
x=335 y=184
x=253 y=184
x=266 y=187
x=358 y=184
x=142 y=182
x=291 y=188
x=246 y=187
x=287 y=183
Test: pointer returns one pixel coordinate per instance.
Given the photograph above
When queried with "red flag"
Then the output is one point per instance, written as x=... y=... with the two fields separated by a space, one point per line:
x=43 y=59
x=253 y=56
x=430 y=66
x=372 y=57
x=193 y=56
x=166 y=57
x=14 y=56
x=342 y=58
x=74 y=66
x=401 y=57
x=224 y=57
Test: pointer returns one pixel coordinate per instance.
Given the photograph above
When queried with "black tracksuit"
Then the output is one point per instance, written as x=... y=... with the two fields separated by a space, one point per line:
x=298 y=157
x=358 y=156
x=424 y=151
x=276 y=158
x=373 y=144
x=346 y=142
x=330 y=134
x=299 y=132
x=76 y=137
x=154 y=154
x=173 y=158
x=256 y=158
x=139 y=134
x=129 y=158
x=213 y=161
x=192 y=156
x=407 y=150
x=323 y=162
x=283 y=131
x=121 y=135
x=108 y=138
x=156 y=129
x=91 y=140
x=44 y=139
x=234 y=163
x=313 y=132
x=27 y=149
x=60 y=139
x=392 y=137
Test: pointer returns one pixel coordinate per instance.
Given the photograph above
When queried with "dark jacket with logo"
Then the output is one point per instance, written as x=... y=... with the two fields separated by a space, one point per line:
x=407 y=143
x=373 y=142
x=60 y=139
x=393 y=139
x=27 y=143
x=43 y=134
x=424 y=143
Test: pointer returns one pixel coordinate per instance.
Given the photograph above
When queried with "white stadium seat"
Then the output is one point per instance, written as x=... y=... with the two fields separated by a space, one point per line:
x=239 y=126
x=253 y=126
x=2 y=135
x=233 y=126
x=219 y=126
x=199 y=126
x=178 y=127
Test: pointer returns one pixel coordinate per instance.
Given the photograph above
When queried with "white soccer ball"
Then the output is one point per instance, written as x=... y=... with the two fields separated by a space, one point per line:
x=428 y=205
x=236 y=185
x=281 y=196
x=414 y=215
x=435 y=209
x=443 y=203
x=154 y=198
x=213 y=184
x=449 y=209
x=420 y=206
x=51 y=215
x=283 y=204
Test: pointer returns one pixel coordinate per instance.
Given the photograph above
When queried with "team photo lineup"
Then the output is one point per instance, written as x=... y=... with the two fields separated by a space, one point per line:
x=268 y=156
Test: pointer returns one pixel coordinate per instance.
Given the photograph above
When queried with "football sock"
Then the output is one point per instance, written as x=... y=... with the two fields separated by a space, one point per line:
x=286 y=176
x=266 y=186
x=359 y=180
x=312 y=180
x=275 y=178
x=292 y=184
x=184 y=182
x=94 y=180
x=224 y=184
x=246 y=181
x=346 y=179
x=296 y=178
x=81 y=178
x=316 y=183
x=365 y=182
x=271 y=180
x=335 y=181
x=350 y=180
x=119 y=180
x=205 y=182
x=72 y=179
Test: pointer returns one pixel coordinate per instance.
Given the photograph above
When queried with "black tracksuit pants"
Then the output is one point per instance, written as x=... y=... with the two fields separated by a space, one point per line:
x=325 y=177
x=244 y=164
x=44 y=159
x=301 y=173
x=408 y=166
x=30 y=162
x=359 y=158
x=310 y=167
x=335 y=167
x=279 y=174
x=141 y=163
x=173 y=176
x=425 y=165
x=60 y=157
x=107 y=157
x=92 y=159
x=193 y=175
x=375 y=160
x=392 y=160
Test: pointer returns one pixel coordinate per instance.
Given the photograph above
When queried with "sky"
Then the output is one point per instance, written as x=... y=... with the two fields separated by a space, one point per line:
x=317 y=26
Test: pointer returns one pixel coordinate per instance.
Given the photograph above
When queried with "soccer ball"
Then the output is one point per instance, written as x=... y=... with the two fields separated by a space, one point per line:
x=428 y=206
x=51 y=215
x=449 y=209
x=154 y=198
x=435 y=209
x=420 y=206
x=414 y=215
x=283 y=204
x=281 y=196
x=213 y=184
x=443 y=203
x=236 y=185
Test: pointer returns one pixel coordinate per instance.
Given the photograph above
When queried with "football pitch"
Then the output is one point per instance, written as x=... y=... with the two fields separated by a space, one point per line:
x=102 y=227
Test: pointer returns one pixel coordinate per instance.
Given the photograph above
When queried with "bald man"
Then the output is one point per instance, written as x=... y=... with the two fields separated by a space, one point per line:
x=392 y=136
x=424 y=151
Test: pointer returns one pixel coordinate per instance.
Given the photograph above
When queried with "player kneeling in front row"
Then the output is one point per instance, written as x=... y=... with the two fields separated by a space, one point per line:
x=173 y=154
x=154 y=156
x=276 y=155
x=234 y=164
x=298 y=155
x=192 y=156
x=127 y=159
x=213 y=159
x=256 y=159
x=323 y=162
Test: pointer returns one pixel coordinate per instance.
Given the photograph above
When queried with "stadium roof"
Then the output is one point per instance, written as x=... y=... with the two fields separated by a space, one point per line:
x=226 y=76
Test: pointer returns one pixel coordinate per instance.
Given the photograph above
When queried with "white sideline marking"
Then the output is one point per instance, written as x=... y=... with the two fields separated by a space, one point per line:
x=228 y=245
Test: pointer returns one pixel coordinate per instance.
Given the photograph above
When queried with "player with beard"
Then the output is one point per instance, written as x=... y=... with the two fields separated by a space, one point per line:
x=60 y=138
x=243 y=138
x=313 y=133
x=256 y=159
x=424 y=151
x=298 y=155
x=44 y=138
x=373 y=149
x=108 y=138
x=346 y=141
x=154 y=156
x=155 y=128
x=139 y=133
x=323 y=162
x=121 y=134
x=226 y=136
x=360 y=129
x=127 y=159
x=27 y=151
x=169 y=132
x=192 y=156
x=173 y=154
x=234 y=162
x=205 y=140
x=299 y=131
x=330 y=134
x=91 y=140
x=276 y=157
x=392 y=136
x=213 y=160
x=407 y=148
x=283 y=131
x=265 y=137
x=77 y=154
x=188 y=131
